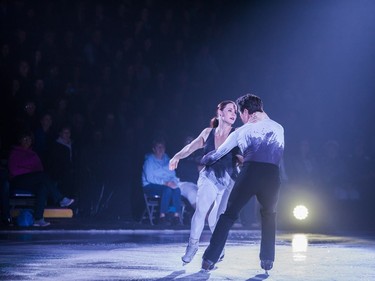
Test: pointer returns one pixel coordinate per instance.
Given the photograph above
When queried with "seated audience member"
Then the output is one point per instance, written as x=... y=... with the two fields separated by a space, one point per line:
x=28 y=118
x=4 y=190
x=4 y=195
x=44 y=136
x=157 y=179
x=26 y=172
x=61 y=161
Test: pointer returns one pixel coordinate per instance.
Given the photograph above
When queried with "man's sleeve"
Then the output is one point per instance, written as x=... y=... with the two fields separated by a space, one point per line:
x=223 y=149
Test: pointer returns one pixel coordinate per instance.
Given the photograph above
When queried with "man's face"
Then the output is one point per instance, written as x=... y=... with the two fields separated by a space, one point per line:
x=244 y=116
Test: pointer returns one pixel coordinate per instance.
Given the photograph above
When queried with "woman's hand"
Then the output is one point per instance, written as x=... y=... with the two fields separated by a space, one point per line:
x=173 y=163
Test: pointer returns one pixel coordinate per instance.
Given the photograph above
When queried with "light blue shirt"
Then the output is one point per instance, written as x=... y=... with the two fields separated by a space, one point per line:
x=157 y=171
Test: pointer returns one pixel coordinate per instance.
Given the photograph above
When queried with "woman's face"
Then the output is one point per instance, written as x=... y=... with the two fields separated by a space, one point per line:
x=228 y=114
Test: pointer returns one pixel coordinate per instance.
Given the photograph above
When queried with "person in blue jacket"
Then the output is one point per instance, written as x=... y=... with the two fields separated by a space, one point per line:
x=157 y=179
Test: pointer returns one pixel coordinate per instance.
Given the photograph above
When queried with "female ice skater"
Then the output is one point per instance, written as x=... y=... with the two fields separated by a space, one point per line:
x=214 y=182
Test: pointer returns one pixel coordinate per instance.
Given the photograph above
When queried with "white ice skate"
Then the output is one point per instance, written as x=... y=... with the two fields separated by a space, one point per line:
x=190 y=252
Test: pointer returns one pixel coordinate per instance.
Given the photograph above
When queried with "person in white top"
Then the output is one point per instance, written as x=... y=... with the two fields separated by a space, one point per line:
x=214 y=182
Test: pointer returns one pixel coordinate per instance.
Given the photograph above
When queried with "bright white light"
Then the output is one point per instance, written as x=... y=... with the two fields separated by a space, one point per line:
x=300 y=212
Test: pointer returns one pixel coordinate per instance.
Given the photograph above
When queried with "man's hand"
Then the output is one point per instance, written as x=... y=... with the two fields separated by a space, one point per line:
x=207 y=159
x=239 y=160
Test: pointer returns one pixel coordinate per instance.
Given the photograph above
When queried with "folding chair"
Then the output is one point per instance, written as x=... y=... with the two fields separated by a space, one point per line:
x=21 y=198
x=152 y=208
x=24 y=199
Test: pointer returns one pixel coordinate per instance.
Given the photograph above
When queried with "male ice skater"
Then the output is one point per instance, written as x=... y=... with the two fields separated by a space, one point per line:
x=261 y=141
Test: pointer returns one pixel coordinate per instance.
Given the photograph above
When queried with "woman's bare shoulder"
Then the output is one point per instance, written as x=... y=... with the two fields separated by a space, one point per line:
x=204 y=134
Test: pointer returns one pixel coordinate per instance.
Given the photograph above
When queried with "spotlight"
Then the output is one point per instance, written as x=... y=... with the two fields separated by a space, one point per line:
x=300 y=212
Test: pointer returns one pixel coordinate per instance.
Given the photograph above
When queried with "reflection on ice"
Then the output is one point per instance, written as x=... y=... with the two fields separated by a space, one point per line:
x=156 y=255
x=299 y=246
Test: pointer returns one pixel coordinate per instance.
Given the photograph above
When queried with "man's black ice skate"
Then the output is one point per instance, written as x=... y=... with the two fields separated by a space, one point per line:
x=207 y=265
x=266 y=265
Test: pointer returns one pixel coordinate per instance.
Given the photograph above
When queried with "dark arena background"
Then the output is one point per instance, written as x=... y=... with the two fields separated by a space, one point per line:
x=119 y=74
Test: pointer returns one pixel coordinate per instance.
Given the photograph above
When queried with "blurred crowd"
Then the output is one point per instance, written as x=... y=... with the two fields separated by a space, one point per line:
x=113 y=74
x=107 y=77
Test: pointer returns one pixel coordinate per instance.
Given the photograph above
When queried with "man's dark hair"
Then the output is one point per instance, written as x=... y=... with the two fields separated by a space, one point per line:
x=250 y=102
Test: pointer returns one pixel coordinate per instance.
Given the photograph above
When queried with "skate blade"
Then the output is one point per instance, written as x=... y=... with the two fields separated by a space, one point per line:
x=184 y=262
x=220 y=259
